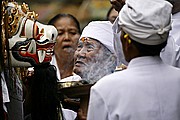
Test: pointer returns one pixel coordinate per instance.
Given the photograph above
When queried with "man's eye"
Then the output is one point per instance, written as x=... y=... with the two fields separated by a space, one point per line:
x=79 y=47
x=90 y=48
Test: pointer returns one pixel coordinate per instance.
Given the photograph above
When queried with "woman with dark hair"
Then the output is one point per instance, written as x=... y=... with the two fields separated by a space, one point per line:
x=58 y=16
x=66 y=43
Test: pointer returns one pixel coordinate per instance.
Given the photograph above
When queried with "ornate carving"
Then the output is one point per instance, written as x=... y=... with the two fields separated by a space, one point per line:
x=15 y=14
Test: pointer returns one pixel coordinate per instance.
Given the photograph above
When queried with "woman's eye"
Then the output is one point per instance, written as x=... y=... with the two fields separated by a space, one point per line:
x=73 y=33
x=60 y=33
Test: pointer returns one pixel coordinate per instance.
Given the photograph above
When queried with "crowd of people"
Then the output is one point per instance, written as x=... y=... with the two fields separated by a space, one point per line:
x=132 y=59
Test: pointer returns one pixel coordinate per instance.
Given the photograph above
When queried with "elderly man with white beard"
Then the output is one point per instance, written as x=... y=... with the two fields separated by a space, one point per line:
x=95 y=56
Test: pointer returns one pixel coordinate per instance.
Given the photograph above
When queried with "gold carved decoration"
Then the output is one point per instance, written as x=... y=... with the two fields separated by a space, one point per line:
x=15 y=14
x=11 y=18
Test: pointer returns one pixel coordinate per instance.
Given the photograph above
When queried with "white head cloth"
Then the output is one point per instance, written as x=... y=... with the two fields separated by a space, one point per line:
x=147 y=22
x=101 y=31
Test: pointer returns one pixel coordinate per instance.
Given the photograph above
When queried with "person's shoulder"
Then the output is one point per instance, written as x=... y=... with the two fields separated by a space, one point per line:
x=110 y=80
x=174 y=69
x=111 y=77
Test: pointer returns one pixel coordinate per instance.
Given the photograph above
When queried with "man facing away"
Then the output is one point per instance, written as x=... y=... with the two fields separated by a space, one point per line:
x=148 y=89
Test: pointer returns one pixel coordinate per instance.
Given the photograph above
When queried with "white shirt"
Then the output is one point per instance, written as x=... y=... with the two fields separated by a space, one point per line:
x=69 y=114
x=171 y=53
x=74 y=77
x=5 y=93
x=147 y=90
x=54 y=62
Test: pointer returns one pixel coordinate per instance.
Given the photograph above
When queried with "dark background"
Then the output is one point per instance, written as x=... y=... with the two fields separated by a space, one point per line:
x=84 y=10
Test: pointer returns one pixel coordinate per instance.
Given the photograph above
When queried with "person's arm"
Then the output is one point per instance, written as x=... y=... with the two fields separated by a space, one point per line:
x=97 y=109
x=171 y=53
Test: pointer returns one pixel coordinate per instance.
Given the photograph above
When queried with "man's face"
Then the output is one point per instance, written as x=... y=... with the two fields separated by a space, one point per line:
x=88 y=54
x=117 y=4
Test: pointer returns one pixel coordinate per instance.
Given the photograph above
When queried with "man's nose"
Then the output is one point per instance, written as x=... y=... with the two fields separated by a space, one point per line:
x=82 y=53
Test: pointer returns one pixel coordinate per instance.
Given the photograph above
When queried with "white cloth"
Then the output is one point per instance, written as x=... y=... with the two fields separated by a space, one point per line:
x=54 y=62
x=69 y=114
x=74 y=77
x=146 y=22
x=5 y=93
x=171 y=53
x=147 y=90
x=101 y=31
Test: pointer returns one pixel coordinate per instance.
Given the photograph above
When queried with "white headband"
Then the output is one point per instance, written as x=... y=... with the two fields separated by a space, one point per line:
x=101 y=31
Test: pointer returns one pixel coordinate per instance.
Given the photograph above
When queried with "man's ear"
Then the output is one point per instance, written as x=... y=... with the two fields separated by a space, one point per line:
x=127 y=42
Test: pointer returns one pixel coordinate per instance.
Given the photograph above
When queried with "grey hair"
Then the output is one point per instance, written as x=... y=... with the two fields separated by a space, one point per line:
x=106 y=66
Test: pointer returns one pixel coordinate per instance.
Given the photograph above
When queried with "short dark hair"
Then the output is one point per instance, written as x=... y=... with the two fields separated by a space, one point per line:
x=149 y=50
x=58 y=16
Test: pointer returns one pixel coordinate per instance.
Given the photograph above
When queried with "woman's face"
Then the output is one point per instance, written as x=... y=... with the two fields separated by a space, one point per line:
x=113 y=15
x=88 y=53
x=68 y=36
